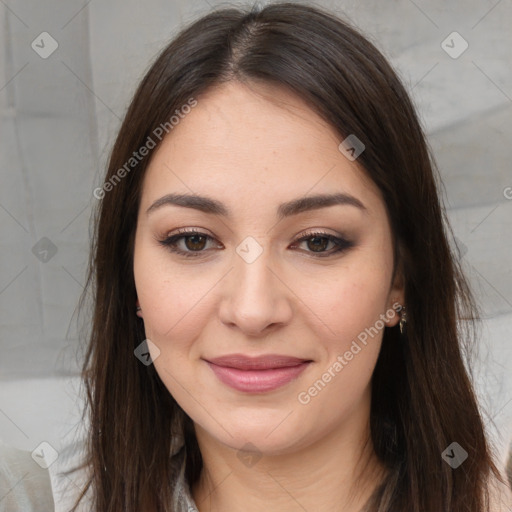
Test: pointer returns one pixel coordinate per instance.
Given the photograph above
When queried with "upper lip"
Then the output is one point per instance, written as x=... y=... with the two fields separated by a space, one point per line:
x=265 y=362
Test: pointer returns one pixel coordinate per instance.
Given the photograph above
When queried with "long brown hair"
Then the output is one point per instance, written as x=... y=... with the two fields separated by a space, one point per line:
x=422 y=396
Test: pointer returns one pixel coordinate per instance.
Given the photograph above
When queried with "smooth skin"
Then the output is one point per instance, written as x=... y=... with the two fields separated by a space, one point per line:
x=253 y=147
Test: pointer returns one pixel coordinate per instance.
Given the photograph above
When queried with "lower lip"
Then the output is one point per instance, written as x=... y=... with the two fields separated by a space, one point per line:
x=257 y=381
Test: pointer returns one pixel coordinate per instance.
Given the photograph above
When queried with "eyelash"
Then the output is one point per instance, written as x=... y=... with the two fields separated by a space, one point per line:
x=170 y=243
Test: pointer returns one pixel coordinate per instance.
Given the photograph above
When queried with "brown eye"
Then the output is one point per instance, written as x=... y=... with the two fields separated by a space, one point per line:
x=195 y=242
x=318 y=243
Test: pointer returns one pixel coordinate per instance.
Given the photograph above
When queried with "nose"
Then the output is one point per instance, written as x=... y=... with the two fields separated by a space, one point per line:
x=256 y=298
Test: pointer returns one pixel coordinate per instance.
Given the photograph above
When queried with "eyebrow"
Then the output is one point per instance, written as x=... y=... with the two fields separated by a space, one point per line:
x=293 y=207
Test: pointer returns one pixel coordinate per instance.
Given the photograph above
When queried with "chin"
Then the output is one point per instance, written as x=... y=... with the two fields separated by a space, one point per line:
x=270 y=435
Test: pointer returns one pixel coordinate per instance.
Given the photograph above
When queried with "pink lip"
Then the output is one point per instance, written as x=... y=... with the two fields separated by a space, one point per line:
x=257 y=374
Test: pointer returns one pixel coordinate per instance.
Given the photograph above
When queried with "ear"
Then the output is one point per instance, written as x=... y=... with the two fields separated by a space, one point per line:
x=138 y=310
x=396 y=298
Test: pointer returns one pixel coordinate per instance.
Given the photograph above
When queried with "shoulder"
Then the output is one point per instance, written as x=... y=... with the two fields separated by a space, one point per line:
x=24 y=483
x=68 y=480
x=67 y=486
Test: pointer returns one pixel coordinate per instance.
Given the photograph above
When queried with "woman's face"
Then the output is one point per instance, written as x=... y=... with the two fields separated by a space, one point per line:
x=297 y=318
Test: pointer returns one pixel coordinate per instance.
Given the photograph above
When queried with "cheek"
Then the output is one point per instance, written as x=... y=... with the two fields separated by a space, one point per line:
x=353 y=310
x=351 y=356
x=172 y=309
x=356 y=300
x=162 y=290
x=174 y=319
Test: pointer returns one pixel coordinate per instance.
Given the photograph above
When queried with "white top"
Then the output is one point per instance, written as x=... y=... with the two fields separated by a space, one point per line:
x=25 y=486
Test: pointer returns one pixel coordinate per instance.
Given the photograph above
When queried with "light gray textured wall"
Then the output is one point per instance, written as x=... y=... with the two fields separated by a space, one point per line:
x=59 y=114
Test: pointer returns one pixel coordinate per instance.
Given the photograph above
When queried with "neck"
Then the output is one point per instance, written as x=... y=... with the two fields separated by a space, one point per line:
x=337 y=472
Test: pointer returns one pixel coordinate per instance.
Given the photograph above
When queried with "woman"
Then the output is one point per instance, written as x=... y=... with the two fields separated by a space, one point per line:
x=276 y=304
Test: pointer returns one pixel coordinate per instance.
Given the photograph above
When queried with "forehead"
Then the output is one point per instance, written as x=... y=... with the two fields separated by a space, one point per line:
x=255 y=142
